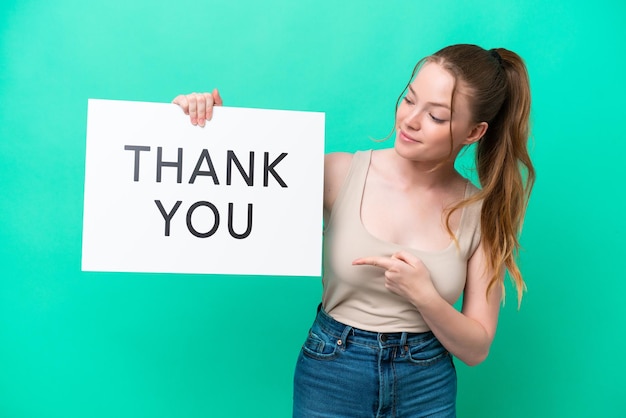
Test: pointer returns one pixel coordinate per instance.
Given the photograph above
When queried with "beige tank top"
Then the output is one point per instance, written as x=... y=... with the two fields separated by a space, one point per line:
x=356 y=295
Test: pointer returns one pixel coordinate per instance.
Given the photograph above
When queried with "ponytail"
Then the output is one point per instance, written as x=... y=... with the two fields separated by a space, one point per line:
x=501 y=160
x=501 y=97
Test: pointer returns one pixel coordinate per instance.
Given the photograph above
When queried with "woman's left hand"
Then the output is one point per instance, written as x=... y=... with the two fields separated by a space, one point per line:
x=405 y=275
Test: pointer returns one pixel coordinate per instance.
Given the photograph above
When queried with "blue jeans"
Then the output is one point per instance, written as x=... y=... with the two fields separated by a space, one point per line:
x=346 y=372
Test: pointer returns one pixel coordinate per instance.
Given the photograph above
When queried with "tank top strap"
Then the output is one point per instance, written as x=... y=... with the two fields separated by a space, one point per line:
x=469 y=234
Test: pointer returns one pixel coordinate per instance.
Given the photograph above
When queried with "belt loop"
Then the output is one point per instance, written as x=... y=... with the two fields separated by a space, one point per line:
x=403 y=345
x=344 y=337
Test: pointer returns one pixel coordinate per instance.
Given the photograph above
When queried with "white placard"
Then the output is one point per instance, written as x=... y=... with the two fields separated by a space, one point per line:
x=242 y=195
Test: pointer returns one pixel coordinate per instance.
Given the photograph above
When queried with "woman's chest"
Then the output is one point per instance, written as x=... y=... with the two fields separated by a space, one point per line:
x=407 y=219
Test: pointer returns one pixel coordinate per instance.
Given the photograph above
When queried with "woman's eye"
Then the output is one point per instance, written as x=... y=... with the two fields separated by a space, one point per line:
x=436 y=119
x=407 y=100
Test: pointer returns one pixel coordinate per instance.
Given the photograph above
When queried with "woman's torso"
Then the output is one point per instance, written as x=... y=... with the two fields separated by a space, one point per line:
x=356 y=295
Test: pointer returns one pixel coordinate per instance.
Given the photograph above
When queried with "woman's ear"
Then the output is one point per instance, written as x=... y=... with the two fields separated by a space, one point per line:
x=477 y=132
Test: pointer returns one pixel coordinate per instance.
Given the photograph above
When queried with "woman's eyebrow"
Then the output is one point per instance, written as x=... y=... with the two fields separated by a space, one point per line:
x=446 y=105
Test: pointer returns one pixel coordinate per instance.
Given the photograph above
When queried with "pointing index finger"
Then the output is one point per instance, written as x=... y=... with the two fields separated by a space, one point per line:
x=382 y=262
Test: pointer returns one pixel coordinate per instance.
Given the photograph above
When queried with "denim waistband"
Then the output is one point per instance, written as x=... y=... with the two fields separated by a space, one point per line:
x=384 y=339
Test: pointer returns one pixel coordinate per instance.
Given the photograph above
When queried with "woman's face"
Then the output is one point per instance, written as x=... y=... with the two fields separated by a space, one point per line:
x=424 y=117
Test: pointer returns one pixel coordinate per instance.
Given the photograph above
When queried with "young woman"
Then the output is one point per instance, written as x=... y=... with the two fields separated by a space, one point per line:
x=405 y=235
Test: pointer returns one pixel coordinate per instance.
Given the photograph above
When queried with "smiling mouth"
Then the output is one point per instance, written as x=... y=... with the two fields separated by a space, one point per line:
x=407 y=138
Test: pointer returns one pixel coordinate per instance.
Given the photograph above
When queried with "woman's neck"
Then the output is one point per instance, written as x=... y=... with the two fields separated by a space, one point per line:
x=410 y=174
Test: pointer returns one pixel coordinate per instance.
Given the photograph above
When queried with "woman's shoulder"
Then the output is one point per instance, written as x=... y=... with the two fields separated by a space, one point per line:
x=336 y=168
x=338 y=158
x=344 y=159
x=337 y=164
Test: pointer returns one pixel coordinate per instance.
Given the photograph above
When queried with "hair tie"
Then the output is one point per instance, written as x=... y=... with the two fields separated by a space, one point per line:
x=494 y=53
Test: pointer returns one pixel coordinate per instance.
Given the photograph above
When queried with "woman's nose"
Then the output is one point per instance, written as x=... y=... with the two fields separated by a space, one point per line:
x=413 y=120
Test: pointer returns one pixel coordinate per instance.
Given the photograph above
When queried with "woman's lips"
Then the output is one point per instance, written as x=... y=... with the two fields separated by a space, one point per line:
x=405 y=137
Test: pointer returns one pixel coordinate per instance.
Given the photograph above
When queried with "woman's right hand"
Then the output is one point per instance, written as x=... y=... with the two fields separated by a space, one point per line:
x=199 y=106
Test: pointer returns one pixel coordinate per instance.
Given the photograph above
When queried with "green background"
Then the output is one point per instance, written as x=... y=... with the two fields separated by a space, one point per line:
x=76 y=344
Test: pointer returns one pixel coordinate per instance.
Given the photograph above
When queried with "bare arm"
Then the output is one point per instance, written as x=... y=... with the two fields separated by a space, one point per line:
x=467 y=334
